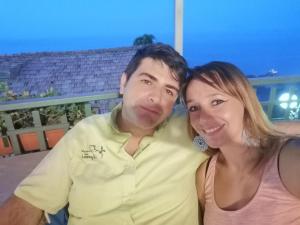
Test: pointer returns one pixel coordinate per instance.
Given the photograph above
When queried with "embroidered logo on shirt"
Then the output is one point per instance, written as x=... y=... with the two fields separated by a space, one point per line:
x=92 y=152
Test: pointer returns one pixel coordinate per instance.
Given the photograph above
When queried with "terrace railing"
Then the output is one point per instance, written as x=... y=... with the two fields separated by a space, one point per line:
x=279 y=96
x=38 y=129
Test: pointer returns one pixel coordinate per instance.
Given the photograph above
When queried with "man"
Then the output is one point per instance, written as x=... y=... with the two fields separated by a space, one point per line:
x=133 y=166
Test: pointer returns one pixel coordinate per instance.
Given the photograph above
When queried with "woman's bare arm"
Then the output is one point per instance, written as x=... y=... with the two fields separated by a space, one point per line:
x=289 y=166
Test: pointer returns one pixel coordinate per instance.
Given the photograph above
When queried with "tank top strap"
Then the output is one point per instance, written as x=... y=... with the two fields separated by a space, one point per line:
x=271 y=167
x=209 y=178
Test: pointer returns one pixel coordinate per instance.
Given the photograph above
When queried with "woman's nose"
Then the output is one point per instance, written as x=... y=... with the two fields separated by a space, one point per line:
x=202 y=115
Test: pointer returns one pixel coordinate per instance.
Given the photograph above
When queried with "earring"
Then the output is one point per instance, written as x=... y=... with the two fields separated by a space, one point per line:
x=200 y=143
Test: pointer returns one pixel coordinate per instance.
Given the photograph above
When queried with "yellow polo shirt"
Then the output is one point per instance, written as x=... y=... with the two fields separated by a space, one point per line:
x=90 y=169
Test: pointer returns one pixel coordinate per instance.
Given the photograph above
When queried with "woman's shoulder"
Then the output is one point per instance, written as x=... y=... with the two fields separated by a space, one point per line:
x=289 y=165
x=290 y=149
x=201 y=173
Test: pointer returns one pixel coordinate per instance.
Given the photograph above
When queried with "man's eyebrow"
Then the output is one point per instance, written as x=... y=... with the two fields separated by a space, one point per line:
x=155 y=79
x=172 y=87
x=149 y=76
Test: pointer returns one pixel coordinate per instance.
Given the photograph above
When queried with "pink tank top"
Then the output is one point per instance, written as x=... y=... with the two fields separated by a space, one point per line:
x=271 y=205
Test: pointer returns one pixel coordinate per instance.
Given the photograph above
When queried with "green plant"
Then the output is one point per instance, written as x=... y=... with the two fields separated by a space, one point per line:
x=3 y=128
x=8 y=95
x=51 y=115
x=144 y=40
x=22 y=118
x=3 y=131
x=3 y=87
x=75 y=113
x=49 y=92
x=11 y=95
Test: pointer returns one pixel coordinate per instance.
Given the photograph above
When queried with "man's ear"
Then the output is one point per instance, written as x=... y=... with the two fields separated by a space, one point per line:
x=123 y=82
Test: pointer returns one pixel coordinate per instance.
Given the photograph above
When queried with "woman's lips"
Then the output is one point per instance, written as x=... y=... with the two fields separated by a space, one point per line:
x=212 y=130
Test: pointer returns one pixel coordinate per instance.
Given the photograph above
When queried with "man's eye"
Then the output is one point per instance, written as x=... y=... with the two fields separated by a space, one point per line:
x=147 y=82
x=169 y=92
x=217 y=102
x=193 y=108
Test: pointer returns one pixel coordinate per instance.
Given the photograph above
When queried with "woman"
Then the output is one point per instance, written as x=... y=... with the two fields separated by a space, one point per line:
x=252 y=176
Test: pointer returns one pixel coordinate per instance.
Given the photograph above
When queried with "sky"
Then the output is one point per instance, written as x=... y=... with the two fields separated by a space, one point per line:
x=256 y=35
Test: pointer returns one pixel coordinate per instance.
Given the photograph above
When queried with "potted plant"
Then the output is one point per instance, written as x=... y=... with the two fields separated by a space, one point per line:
x=20 y=119
x=52 y=115
x=5 y=145
x=23 y=119
x=53 y=136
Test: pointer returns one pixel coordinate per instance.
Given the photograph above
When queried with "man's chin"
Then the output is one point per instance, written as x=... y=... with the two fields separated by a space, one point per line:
x=148 y=126
x=148 y=120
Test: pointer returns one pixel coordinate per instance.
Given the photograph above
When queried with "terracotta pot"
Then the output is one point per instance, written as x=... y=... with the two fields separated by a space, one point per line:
x=5 y=146
x=29 y=141
x=53 y=136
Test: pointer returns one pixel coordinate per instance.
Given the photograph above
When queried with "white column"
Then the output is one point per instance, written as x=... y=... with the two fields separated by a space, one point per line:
x=178 y=34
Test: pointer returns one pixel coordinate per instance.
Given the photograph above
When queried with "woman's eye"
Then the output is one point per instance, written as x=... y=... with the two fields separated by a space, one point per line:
x=217 y=102
x=193 y=108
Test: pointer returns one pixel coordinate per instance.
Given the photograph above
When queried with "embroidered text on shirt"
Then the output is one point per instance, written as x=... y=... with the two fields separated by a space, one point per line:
x=92 y=152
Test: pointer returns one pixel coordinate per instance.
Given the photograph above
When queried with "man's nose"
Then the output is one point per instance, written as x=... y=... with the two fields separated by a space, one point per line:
x=155 y=96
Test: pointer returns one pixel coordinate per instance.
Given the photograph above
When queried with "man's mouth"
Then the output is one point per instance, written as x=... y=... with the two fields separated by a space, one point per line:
x=152 y=110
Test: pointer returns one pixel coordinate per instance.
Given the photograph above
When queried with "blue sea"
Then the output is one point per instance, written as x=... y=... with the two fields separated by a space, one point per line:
x=254 y=57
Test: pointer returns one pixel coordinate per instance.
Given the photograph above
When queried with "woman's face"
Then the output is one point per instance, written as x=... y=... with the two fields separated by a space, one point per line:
x=215 y=115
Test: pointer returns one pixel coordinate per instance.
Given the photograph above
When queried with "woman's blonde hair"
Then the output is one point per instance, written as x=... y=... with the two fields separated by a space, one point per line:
x=231 y=80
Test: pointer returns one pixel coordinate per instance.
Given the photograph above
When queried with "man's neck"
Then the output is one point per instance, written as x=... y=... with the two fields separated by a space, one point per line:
x=137 y=134
x=125 y=126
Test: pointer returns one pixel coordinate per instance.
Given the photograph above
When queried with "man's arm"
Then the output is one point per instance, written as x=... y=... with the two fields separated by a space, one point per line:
x=16 y=211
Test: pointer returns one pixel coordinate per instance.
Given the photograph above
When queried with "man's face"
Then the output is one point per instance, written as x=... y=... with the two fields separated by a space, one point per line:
x=148 y=95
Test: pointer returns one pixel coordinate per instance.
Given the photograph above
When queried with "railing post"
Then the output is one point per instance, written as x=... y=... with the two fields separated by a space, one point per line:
x=39 y=129
x=272 y=99
x=64 y=120
x=87 y=109
x=11 y=133
x=289 y=110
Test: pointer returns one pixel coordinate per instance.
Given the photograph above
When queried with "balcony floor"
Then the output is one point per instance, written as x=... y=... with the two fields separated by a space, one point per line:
x=14 y=168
